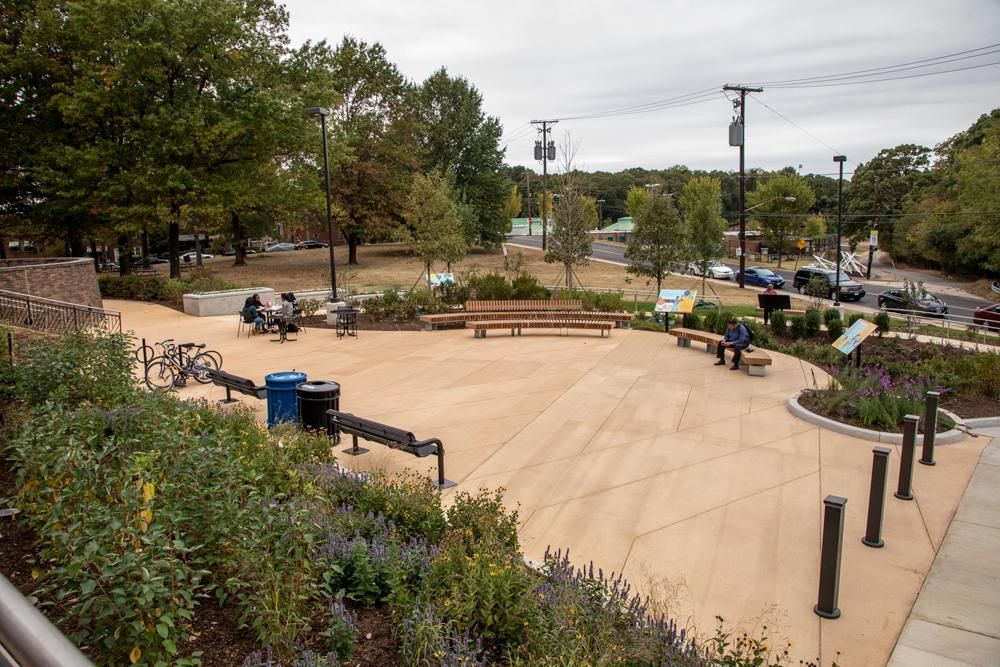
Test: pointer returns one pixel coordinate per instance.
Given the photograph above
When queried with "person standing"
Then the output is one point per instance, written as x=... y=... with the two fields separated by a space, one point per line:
x=737 y=339
x=770 y=291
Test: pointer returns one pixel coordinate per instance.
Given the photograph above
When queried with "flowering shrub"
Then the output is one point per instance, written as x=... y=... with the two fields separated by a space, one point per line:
x=874 y=397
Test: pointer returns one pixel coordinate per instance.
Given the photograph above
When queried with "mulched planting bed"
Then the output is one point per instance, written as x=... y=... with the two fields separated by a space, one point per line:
x=811 y=400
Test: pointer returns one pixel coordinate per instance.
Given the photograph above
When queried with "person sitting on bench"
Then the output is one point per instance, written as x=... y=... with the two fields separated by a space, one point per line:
x=737 y=338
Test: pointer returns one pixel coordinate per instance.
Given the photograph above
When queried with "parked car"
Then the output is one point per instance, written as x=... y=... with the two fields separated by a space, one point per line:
x=928 y=304
x=715 y=269
x=762 y=277
x=229 y=252
x=850 y=290
x=309 y=245
x=280 y=247
x=192 y=256
x=987 y=316
x=149 y=261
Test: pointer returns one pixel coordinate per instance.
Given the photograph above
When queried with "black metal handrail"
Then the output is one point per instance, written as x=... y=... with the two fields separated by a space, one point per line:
x=49 y=315
x=28 y=639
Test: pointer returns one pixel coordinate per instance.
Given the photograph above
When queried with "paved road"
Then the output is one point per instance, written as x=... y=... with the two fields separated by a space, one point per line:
x=960 y=306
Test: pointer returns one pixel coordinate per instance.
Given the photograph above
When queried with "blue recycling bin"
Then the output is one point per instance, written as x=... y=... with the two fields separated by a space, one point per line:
x=281 y=404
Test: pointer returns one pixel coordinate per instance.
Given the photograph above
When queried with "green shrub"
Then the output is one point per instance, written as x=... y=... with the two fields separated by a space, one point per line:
x=882 y=321
x=854 y=317
x=831 y=314
x=483 y=517
x=779 y=323
x=607 y=302
x=692 y=320
x=489 y=286
x=160 y=288
x=711 y=319
x=835 y=328
x=759 y=333
x=526 y=286
x=812 y=322
x=797 y=327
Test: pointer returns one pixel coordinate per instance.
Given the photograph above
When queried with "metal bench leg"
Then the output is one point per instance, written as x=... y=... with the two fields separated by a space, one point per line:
x=442 y=482
x=683 y=342
x=229 y=397
x=711 y=348
x=355 y=450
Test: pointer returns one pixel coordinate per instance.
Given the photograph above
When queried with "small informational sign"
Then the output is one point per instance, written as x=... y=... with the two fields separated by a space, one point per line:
x=801 y=244
x=675 y=301
x=856 y=333
x=873 y=238
x=438 y=279
x=739 y=251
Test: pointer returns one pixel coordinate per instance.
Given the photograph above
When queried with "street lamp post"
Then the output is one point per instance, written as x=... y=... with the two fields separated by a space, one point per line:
x=839 y=159
x=323 y=113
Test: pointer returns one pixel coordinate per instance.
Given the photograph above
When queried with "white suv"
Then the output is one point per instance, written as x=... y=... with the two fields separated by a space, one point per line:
x=716 y=269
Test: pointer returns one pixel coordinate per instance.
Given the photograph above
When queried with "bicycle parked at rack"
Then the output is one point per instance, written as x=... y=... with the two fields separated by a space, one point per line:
x=144 y=354
x=178 y=363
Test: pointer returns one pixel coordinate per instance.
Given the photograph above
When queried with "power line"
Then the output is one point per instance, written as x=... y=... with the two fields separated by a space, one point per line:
x=694 y=97
x=893 y=78
x=793 y=124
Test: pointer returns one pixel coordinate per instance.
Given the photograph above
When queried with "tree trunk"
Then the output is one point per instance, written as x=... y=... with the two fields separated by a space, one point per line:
x=74 y=244
x=124 y=255
x=173 y=249
x=352 y=250
x=3 y=248
x=430 y=292
x=93 y=254
x=569 y=276
x=145 y=239
x=238 y=238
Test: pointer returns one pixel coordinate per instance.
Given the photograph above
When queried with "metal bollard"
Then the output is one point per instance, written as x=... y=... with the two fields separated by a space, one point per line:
x=829 y=562
x=930 y=427
x=876 y=497
x=905 y=489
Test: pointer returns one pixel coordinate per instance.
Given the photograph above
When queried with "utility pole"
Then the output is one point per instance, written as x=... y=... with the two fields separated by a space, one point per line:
x=600 y=213
x=872 y=249
x=527 y=183
x=737 y=138
x=839 y=159
x=545 y=150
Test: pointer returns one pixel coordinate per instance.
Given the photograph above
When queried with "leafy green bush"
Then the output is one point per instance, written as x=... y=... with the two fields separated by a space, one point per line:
x=759 y=333
x=883 y=322
x=779 y=323
x=797 y=327
x=692 y=320
x=831 y=314
x=526 y=286
x=812 y=322
x=489 y=286
x=76 y=368
x=391 y=306
x=854 y=317
x=160 y=288
x=835 y=328
x=477 y=518
x=607 y=302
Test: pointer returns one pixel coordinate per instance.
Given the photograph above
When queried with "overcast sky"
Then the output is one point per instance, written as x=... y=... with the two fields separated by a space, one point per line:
x=561 y=58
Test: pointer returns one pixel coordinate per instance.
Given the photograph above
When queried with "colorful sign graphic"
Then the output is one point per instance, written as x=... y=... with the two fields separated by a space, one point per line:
x=856 y=333
x=676 y=301
x=438 y=279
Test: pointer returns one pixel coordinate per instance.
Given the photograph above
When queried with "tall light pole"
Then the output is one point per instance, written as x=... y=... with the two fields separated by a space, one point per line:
x=840 y=160
x=323 y=113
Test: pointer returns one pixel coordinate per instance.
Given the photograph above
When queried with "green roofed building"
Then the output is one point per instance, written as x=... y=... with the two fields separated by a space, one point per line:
x=521 y=226
x=618 y=231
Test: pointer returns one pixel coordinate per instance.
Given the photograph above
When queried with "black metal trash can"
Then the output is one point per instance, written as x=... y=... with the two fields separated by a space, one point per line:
x=314 y=399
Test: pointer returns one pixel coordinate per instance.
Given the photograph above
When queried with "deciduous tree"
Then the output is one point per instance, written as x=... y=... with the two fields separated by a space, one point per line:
x=701 y=201
x=778 y=218
x=659 y=239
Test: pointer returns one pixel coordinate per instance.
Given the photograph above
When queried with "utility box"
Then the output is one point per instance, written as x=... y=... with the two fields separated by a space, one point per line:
x=735 y=134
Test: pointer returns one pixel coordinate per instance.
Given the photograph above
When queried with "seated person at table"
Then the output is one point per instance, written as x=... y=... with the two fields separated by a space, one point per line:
x=251 y=312
x=288 y=311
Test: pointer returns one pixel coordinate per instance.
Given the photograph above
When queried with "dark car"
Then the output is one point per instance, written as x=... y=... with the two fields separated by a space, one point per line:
x=761 y=277
x=149 y=261
x=927 y=303
x=850 y=290
x=309 y=245
x=987 y=316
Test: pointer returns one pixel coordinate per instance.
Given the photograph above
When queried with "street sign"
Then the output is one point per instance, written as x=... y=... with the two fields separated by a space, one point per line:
x=801 y=244
x=873 y=238
x=739 y=251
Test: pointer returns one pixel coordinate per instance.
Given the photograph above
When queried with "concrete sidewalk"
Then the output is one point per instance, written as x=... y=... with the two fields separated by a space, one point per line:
x=638 y=455
x=956 y=618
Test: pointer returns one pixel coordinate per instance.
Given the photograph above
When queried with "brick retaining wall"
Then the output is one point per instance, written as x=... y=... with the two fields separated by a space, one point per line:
x=69 y=279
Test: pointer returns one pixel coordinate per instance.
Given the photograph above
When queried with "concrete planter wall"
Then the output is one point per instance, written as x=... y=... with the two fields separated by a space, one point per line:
x=225 y=302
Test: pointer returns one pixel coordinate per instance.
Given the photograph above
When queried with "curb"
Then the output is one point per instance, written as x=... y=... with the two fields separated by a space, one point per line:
x=982 y=422
x=945 y=438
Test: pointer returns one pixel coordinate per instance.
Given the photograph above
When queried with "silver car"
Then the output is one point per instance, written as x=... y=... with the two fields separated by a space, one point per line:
x=715 y=269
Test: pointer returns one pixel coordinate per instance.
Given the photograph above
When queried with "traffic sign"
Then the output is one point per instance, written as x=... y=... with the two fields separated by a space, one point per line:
x=801 y=244
x=873 y=238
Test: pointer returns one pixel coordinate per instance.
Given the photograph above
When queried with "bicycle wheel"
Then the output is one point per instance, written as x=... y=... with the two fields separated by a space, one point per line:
x=215 y=355
x=160 y=374
x=200 y=364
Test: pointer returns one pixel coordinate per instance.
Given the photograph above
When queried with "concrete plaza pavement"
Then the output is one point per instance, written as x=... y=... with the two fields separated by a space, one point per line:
x=640 y=456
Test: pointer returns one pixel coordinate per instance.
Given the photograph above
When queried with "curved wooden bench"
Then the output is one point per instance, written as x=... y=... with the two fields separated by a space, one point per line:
x=755 y=361
x=685 y=336
x=515 y=325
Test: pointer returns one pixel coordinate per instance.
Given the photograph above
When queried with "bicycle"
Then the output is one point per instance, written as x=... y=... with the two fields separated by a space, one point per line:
x=177 y=364
x=167 y=347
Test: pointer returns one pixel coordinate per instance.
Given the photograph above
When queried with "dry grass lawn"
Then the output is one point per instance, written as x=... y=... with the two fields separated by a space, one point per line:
x=383 y=266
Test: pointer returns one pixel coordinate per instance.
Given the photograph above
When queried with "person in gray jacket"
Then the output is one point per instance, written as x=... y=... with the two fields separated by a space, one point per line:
x=737 y=339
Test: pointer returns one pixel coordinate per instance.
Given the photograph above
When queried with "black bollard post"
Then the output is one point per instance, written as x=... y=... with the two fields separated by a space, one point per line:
x=905 y=488
x=930 y=427
x=876 y=497
x=829 y=562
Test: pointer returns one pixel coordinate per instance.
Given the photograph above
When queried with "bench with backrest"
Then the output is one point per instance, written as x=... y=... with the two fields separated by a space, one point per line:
x=235 y=383
x=396 y=438
x=555 y=322
x=755 y=360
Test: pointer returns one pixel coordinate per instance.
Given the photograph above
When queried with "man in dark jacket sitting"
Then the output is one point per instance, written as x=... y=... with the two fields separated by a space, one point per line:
x=737 y=338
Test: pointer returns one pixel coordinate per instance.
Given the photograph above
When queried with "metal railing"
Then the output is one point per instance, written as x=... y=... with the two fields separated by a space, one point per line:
x=49 y=315
x=28 y=639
